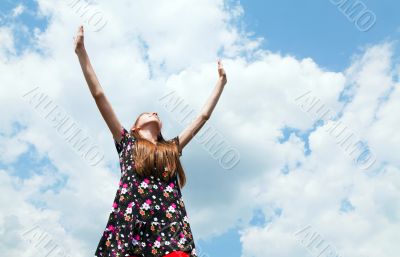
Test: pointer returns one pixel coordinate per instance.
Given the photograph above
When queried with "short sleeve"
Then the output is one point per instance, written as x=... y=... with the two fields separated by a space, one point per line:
x=124 y=140
x=176 y=140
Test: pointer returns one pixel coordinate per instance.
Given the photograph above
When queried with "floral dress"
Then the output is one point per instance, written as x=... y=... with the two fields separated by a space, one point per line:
x=148 y=216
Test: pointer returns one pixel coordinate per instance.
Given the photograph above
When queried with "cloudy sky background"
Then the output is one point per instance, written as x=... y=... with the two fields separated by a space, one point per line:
x=293 y=181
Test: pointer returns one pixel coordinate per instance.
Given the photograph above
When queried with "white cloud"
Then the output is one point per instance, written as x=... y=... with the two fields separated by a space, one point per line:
x=6 y=42
x=17 y=11
x=311 y=194
x=149 y=49
x=10 y=154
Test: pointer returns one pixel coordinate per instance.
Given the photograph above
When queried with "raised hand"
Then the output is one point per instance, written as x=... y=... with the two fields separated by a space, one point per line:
x=193 y=128
x=78 y=40
x=95 y=88
x=221 y=72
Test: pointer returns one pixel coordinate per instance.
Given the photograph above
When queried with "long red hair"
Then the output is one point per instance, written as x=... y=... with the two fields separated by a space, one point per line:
x=161 y=160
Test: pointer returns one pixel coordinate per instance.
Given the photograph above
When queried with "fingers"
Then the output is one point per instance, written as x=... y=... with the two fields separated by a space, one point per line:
x=80 y=30
x=78 y=33
x=221 y=70
x=220 y=66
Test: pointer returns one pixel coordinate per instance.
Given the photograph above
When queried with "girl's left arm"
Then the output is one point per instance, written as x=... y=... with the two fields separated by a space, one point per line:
x=190 y=131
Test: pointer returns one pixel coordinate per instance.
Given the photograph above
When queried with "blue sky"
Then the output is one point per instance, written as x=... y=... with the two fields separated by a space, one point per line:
x=229 y=210
x=317 y=29
x=311 y=28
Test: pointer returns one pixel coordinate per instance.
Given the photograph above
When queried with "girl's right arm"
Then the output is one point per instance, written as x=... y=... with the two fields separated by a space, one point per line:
x=95 y=89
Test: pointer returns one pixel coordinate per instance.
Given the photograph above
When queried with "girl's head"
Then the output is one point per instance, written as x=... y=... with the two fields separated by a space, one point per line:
x=160 y=159
x=148 y=121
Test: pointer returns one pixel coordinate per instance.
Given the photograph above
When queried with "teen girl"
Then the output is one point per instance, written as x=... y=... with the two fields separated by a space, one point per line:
x=148 y=216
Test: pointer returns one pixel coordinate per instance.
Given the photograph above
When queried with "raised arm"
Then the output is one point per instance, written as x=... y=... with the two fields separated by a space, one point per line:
x=95 y=89
x=190 y=131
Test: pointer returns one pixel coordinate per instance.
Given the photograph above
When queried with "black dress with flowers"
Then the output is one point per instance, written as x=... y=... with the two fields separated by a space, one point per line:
x=148 y=217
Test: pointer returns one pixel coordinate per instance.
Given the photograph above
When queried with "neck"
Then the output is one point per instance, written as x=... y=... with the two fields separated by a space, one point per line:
x=150 y=135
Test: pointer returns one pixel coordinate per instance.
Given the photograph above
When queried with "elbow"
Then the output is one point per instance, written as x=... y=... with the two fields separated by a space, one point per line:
x=205 y=117
x=98 y=95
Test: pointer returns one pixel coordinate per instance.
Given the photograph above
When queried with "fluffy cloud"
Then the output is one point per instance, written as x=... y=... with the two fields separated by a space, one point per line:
x=147 y=50
x=313 y=193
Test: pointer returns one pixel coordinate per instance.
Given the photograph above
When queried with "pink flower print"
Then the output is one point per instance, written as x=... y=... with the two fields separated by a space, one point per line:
x=146 y=180
x=125 y=185
x=120 y=182
x=171 y=184
x=145 y=206
x=148 y=201
x=115 y=205
x=171 y=209
x=134 y=241
x=157 y=244
x=173 y=205
x=111 y=228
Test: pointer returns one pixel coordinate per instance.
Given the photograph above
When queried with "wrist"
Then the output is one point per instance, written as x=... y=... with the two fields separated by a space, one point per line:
x=80 y=51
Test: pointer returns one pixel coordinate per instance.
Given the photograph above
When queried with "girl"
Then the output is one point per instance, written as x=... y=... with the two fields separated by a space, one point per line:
x=148 y=217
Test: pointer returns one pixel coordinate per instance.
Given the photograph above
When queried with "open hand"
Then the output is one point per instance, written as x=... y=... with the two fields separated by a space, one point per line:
x=78 y=40
x=221 y=72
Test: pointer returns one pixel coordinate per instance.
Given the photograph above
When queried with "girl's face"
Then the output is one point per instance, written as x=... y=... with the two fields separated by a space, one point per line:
x=150 y=117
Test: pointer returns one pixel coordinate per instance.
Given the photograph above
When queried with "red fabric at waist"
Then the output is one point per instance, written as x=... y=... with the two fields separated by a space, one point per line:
x=175 y=254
